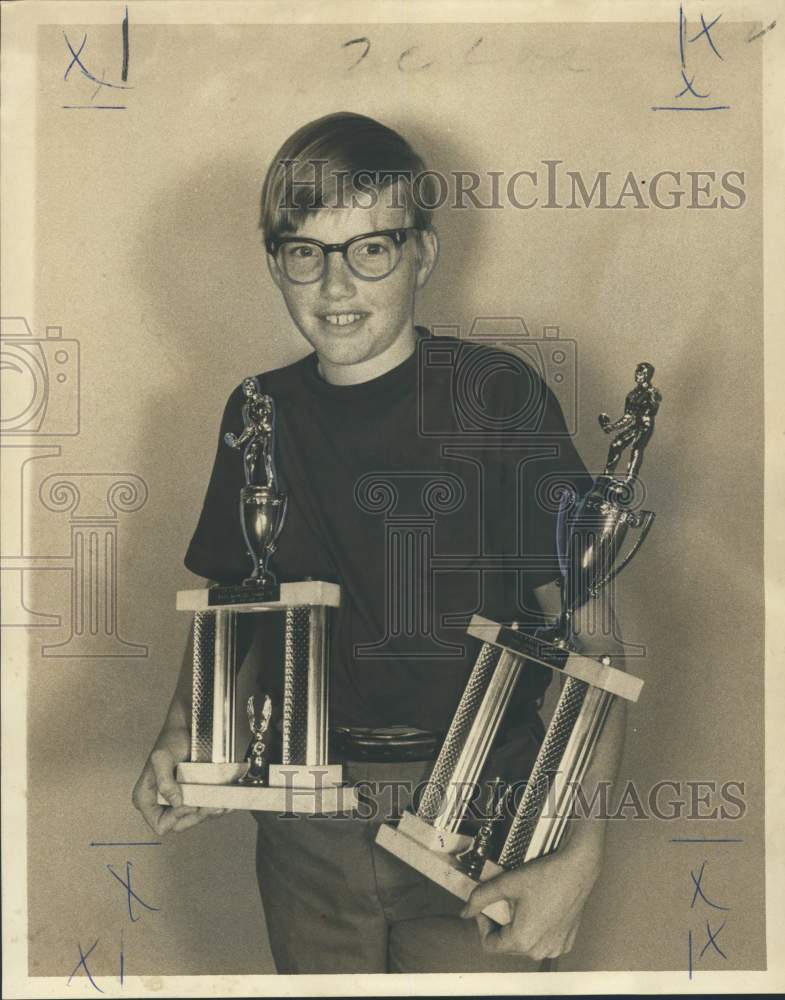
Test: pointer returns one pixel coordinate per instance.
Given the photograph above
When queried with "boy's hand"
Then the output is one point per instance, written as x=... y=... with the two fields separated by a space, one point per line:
x=547 y=898
x=158 y=775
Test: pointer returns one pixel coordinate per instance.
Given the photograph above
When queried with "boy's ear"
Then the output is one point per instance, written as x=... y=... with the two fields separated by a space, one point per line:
x=275 y=271
x=427 y=255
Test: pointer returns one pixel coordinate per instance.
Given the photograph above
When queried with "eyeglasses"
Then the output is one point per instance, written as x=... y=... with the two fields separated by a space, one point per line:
x=370 y=256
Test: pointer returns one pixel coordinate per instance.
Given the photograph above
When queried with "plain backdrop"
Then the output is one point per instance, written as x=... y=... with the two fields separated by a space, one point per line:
x=148 y=253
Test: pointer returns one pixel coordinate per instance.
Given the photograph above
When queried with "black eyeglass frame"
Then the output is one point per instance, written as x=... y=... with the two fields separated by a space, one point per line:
x=274 y=243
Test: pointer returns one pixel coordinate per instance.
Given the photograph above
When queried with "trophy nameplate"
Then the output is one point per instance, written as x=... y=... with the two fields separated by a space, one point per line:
x=590 y=537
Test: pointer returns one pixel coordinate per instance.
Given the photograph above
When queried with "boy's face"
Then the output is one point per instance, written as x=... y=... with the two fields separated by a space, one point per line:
x=380 y=313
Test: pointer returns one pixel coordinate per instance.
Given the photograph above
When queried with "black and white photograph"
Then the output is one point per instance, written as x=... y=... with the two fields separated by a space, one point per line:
x=392 y=482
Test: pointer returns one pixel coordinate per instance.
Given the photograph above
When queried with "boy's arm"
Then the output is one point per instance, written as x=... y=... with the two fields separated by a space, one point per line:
x=549 y=894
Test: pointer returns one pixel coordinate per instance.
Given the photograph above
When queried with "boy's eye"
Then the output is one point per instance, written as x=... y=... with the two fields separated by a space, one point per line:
x=370 y=249
x=301 y=251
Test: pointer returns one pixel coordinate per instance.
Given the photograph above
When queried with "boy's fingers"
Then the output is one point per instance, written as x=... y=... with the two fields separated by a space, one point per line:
x=152 y=816
x=183 y=810
x=487 y=929
x=163 y=765
x=145 y=800
x=186 y=820
x=167 y=821
x=494 y=938
x=485 y=894
x=490 y=934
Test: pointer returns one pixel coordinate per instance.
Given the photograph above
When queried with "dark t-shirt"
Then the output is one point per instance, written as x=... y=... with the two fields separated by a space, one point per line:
x=428 y=495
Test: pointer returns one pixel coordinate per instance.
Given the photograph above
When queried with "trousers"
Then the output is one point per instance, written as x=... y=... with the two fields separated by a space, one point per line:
x=335 y=902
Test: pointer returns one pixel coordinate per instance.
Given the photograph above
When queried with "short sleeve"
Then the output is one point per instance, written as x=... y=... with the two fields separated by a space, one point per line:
x=540 y=465
x=559 y=477
x=217 y=550
x=536 y=462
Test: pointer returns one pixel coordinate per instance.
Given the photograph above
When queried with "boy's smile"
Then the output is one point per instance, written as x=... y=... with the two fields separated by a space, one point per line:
x=358 y=328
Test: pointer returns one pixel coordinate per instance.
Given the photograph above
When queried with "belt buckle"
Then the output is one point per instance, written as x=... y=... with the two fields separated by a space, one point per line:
x=389 y=744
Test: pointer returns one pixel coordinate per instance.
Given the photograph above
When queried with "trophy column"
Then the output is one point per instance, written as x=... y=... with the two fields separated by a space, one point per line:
x=306 y=700
x=213 y=687
x=469 y=738
x=202 y=687
x=560 y=765
x=306 y=692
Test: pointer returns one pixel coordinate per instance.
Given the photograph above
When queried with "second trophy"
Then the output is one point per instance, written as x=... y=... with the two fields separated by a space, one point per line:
x=591 y=534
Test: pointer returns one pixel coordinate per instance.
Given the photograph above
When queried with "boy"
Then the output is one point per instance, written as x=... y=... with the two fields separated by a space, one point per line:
x=349 y=245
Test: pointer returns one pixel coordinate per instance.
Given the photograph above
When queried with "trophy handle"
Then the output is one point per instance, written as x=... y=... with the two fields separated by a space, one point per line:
x=273 y=544
x=285 y=508
x=566 y=507
x=648 y=520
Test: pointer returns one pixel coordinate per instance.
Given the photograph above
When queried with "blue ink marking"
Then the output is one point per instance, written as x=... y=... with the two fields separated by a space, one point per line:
x=95 y=107
x=83 y=964
x=122 y=959
x=706 y=840
x=131 y=893
x=670 y=107
x=697 y=882
x=705 y=30
x=75 y=55
x=689 y=952
x=713 y=935
x=682 y=33
x=125 y=843
x=690 y=87
x=124 y=74
x=77 y=61
x=689 y=83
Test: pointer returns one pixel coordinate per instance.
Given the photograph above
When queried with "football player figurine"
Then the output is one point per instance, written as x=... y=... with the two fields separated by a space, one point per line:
x=257 y=434
x=636 y=425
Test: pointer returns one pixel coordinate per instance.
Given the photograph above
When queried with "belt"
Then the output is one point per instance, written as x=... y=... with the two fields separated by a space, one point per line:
x=395 y=743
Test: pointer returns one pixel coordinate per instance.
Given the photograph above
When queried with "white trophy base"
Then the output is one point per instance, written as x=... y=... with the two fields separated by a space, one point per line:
x=305 y=776
x=432 y=853
x=296 y=789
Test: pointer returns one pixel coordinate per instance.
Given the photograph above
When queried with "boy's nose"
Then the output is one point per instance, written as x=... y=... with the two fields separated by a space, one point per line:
x=337 y=281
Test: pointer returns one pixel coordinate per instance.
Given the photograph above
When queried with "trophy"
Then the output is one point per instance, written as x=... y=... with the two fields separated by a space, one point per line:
x=304 y=780
x=591 y=533
x=258 y=751
x=473 y=859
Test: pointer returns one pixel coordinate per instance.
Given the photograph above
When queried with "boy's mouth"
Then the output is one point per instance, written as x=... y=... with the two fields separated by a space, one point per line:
x=343 y=318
